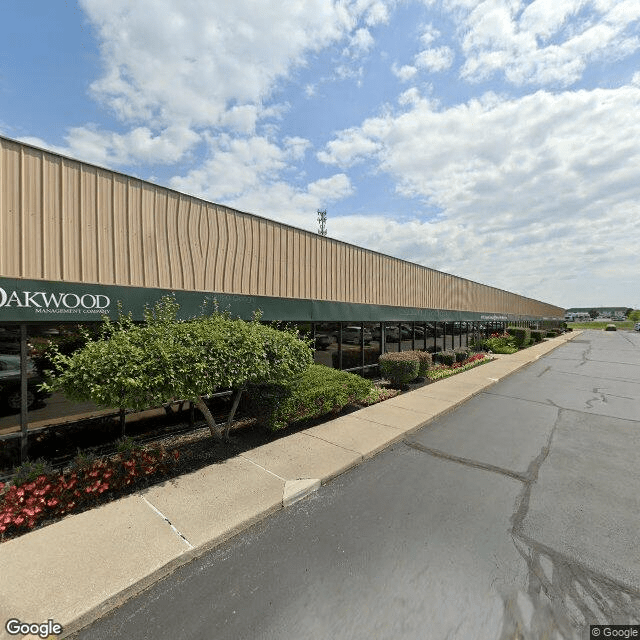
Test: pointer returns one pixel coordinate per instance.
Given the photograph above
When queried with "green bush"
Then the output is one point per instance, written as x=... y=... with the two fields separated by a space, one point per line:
x=521 y=336
x=445 y=357
x=399 y=367
x=425 y=360
x=142 y=366
x=538 y=335
x=461 y=353
x=30 y=470
x=316 y=392
x=501 y=344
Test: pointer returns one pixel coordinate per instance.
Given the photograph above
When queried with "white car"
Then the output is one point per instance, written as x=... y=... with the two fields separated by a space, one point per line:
x=352 y=334
x=637 y=326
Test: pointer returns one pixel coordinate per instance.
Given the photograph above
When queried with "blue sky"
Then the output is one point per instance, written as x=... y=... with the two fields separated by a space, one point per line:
x=498 y=140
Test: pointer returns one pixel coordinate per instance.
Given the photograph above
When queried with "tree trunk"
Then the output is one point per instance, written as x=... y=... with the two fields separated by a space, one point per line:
x=211 y=423
x=233 y=411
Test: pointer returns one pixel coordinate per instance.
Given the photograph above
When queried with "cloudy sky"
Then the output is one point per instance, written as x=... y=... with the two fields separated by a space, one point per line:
x=498 y=140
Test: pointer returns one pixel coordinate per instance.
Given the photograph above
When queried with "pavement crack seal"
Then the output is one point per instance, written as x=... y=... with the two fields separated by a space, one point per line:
x=565 y=596
x=169 y=523
x=465 y=461
x=531 y=477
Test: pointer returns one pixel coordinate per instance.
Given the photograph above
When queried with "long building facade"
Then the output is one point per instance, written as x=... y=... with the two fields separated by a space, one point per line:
x=78 y=240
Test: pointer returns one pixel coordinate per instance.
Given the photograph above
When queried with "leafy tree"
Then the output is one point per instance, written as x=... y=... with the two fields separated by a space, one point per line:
x=163 y=360
x=593 y=313
x=634 y=316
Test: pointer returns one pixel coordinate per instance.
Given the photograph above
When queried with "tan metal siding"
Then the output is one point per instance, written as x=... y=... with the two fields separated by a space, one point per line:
x=65 y=220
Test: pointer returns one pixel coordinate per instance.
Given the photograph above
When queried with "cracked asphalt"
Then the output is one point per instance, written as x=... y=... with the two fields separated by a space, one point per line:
x=514 y=517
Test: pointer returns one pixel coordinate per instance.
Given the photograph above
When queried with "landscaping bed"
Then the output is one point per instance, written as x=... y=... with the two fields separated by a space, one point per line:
x=42 y=495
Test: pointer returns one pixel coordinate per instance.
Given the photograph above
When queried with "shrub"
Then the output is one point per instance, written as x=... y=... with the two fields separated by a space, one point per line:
x=425 y=359
x=29 y=471
x=538 y=335
x=500 y=343
x=318 y=391
x=445 y=357
x=443 y=371
x=461 y=353
x=521 y=336
x=399 y=367
x=142 y=366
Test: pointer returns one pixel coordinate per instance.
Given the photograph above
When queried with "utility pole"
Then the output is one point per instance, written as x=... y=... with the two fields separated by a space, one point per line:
x=322 y=221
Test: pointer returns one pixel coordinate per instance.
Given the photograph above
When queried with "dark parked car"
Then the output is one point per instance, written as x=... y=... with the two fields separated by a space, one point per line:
x=324 y=341
x=10 y=384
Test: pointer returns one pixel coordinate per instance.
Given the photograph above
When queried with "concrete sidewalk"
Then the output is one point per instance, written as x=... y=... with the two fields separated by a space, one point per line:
x=76 y=570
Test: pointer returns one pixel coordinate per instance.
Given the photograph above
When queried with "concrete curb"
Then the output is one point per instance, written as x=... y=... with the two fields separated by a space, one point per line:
x=77 y=570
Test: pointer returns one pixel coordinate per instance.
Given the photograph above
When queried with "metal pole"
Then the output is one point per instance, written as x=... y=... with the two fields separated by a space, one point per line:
x=24 y=389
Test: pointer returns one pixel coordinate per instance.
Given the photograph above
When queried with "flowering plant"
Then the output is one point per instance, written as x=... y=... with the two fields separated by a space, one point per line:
x=53 y=495
x=444 y=371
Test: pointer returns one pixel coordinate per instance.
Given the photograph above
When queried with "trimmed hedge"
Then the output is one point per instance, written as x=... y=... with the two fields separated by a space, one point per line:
x=501 y=344
x=399 y=367
x=521 y=335
x=538 y=335
x=318 y=391
x=445 y=357
x=425 y=360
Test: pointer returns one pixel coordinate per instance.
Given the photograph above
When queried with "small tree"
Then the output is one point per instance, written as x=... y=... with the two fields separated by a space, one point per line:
x=163 y=360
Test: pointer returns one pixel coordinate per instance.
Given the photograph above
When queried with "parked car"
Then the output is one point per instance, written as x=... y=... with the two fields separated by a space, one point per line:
x=637 y=326
x=354 y=335
x=324 y=341
x=610 y=327
x=10 y=383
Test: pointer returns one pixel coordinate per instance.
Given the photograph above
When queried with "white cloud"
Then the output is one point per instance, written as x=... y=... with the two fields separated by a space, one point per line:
x=544 y=184
x=546 y=42
x=360 y=43
x=429 y=35
x=377 y=12
x=337 y=187
x=247 y=174
x=439 y=59
x=404 y=73
x=197 y=59
x=110 y=149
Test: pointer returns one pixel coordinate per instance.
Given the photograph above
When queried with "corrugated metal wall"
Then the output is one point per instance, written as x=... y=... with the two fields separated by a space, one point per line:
x=69 y=221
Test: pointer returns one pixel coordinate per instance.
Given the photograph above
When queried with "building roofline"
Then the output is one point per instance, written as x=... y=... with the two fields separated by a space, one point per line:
x=253 y=215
